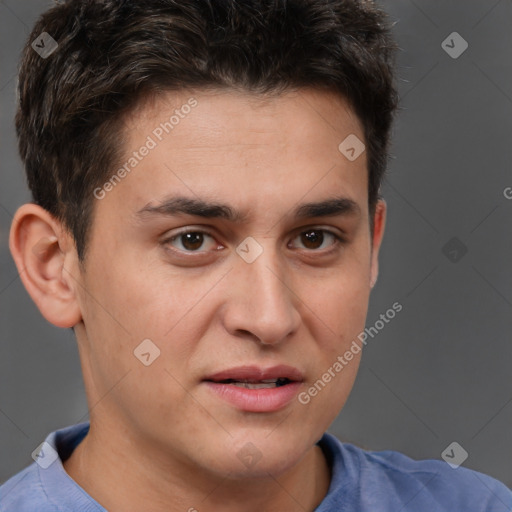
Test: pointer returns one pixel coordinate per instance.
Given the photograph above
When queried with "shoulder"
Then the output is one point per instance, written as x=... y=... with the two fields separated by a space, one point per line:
x=436 y=482
x=44 y=486
x=389 y=479
x=24 y=492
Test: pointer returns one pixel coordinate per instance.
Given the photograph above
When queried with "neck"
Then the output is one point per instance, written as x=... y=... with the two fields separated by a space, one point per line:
x=147 y=482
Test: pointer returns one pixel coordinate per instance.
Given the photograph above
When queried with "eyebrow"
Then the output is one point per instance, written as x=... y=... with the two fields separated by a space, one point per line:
x=181 y=205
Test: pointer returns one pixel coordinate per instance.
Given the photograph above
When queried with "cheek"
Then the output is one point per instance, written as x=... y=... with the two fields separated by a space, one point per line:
x=123 y=309
x=330 y=387
x=134 y=295
x=155 y=302
x=339 y=297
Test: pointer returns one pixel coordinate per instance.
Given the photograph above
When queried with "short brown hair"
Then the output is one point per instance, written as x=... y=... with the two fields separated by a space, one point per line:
x=111 y=53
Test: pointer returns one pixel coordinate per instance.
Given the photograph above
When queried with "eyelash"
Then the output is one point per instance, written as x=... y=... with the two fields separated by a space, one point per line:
x=339 y=240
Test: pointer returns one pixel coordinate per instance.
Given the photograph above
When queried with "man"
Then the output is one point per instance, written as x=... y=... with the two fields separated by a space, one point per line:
x=207 y=219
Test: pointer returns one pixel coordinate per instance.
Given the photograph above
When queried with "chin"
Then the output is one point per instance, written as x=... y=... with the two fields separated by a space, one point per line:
x=256 y=454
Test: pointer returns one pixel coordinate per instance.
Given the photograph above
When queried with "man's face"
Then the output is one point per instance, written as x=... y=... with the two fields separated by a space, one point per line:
x=292 y=294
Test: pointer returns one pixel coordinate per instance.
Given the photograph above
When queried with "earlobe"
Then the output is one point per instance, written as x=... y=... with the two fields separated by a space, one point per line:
x=378 y=234
x=41 y=249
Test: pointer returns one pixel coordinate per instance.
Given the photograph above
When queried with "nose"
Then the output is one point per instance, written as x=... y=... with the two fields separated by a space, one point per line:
x=262 y=304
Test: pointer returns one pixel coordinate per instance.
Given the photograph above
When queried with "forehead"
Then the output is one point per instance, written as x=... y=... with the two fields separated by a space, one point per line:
x=241 y=146
x=233 y=122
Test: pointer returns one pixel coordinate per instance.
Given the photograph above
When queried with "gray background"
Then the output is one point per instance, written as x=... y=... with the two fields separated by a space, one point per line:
x=440 y=370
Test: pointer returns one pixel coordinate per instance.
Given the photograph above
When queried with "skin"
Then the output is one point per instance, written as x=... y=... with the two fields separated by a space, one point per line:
x=299 y=303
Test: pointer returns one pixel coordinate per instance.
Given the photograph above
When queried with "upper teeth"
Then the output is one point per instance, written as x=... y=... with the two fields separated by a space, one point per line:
x=256 y=385
x=268 y=383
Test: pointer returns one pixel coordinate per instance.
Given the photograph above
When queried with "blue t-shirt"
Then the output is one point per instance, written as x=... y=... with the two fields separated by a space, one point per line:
x=362 y=481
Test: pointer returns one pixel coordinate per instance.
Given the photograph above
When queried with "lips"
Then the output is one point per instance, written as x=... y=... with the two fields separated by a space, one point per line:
x=280 y=375
x=255 y=389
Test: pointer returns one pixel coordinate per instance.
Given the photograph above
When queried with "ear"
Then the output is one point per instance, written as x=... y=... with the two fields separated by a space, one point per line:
x=378 y=233
x=46 y=259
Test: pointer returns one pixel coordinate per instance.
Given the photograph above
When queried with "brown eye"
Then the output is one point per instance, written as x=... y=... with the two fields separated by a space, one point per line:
x=191 y=241
x=312 y=239
x=315 y=239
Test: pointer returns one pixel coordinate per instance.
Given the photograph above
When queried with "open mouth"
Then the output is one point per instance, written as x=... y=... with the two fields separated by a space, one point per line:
x=254 y=389
x=260 y=384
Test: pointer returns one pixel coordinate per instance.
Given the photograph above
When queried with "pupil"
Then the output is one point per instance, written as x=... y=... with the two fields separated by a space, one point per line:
x=192 y=240
x=314 y=237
